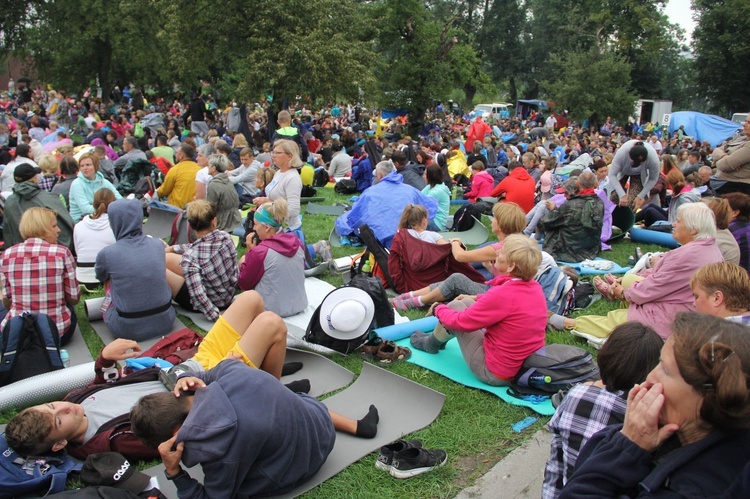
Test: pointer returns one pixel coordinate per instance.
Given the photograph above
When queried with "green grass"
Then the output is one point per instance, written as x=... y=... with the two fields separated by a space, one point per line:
x=474 y=427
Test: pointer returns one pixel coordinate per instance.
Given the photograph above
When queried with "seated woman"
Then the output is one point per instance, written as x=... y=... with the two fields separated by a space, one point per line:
x=495 y=340
x=627 y=357
x=733 y=165
x=436 y=188
x=739 y=224
x=658 y=294
x=92 y=234
x=724 y=238
x=39 y=275
x=134 y=273
x=286 y=183
x=508 y=218
x=274 y=264
x=203 y=274
x=682 y=193
x=222 y=194
x=89 y=180
x=686 y=430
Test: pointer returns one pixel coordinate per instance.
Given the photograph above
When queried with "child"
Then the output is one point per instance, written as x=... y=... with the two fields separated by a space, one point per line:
x=414 y=218
x=627 y=357
x=496 y=340
x=262 y=178
x=481 y=182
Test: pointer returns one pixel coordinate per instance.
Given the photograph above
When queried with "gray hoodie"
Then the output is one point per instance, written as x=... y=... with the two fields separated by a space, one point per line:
x=137 y=270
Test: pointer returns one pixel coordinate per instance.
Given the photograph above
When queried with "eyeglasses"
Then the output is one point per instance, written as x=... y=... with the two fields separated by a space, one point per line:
x=276 y=153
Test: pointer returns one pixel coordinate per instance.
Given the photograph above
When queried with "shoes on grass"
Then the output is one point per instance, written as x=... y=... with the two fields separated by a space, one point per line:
x=415 y=461
x=387 y=452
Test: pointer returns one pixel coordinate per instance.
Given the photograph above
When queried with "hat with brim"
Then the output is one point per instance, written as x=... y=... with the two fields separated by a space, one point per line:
x=346 y=313
x=113 y=470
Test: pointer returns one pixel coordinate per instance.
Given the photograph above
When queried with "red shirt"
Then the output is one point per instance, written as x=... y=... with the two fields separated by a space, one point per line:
x=39 y=277
x=518 y=188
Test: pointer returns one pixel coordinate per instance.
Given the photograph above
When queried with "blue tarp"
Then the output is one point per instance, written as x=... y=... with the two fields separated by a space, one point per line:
x=392 y=113
x=704 y=127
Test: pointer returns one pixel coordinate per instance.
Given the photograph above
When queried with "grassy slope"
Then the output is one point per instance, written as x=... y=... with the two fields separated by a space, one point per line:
x=474 y=427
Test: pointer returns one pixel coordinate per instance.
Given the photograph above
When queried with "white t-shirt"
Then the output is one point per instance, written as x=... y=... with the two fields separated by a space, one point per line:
x=426 y=236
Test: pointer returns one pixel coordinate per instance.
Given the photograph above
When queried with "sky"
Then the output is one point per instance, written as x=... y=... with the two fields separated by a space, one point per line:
x=679 y=12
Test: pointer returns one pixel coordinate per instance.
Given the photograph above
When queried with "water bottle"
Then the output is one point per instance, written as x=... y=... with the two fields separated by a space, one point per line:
x=367 y=268
x=65 y=357
x=538 y=380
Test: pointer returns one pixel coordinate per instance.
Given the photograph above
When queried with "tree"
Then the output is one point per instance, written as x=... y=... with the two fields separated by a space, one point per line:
x=596 y=85
x=503 y=43
x=722 y=44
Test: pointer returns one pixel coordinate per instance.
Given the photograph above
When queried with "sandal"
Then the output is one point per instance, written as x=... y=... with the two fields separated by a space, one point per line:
x=390 y=354
x=610 y=278
x=371 y=347
x=603 y=288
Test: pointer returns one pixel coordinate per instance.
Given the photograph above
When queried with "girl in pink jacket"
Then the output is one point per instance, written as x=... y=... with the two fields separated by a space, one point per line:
x=498 y=329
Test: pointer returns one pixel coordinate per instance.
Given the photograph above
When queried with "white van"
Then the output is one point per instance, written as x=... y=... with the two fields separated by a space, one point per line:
x=739 y=117
x=497 y=110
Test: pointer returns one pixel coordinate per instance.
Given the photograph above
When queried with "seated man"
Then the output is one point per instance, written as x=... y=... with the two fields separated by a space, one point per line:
x=250 y=435
x=572 y=232
x=98 y=420
x=722 y=290
x=381 y=205
x=518 y=187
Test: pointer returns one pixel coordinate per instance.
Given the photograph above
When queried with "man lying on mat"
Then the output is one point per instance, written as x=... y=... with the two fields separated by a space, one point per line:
x=251 y=436
x=96 y=419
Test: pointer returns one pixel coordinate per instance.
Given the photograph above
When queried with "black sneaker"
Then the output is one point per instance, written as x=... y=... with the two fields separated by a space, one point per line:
x=415 y=461
x=168 y=377
x=385 y=458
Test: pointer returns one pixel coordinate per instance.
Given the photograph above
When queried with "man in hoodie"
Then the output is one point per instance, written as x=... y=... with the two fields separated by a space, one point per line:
x=411 y=172
x=26 y=194
x=287 y=131
x=518 y=187
x=251 y=435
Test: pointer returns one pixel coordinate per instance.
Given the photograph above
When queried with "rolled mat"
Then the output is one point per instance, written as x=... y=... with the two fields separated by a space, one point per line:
x=459 y=201
x=653 y=237
x=93 y=308
x=451 y=364
x=405 y=329
x=47 y=387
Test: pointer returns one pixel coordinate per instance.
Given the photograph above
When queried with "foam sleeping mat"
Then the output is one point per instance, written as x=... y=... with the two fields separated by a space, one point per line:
x=159 y=223
x=653 y=237
x=450 y=363
x=198 y=318
x=322 y=209
x=399 y=415
x=476 y=235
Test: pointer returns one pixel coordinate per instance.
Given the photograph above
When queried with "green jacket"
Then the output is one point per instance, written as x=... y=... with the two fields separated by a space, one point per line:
x=572 y=232
x=27 y=195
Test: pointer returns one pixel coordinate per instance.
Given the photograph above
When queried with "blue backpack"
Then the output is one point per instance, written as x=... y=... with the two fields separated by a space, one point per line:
x=556 y=287
x=19 y=476
x=31 y=346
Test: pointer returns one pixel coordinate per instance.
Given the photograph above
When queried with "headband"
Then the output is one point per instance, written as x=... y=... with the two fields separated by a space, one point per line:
x=262 y=216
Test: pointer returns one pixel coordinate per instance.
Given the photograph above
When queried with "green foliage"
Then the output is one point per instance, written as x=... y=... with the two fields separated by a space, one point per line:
x=722 y=43
x=596 y=85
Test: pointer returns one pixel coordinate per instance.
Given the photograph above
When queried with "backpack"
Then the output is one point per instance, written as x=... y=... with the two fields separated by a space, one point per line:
x=308 y=191
x=320 y=178
x=47 y=475
x=144 y=186
x=553 y=368
x=374 y=287
x=346 y=186
x=181 y=233
x=175 y=348
x=31 y=346
x=379 y=253
x=315 y=334
x=556 y=286
x=465 y=218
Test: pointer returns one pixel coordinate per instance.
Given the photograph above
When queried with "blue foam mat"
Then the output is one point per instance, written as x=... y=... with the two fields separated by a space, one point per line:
x=617 y=269
x=653 y=237
x=450 y=363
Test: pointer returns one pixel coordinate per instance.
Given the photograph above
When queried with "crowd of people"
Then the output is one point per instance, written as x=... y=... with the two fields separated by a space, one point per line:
x=673 y=399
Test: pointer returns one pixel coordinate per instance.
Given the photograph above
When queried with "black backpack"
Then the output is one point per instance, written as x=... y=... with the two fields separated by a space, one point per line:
x=373 y=287
x=553 y=368
x=378 y=251
x=315 y=334
x=320 y=178
x=465 y=217
x=31 y=346
x=346 y=186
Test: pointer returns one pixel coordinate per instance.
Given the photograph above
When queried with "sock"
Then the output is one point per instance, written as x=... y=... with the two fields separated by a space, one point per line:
x=557 y=321
x=291 y=368
x=299 y=386
x=367 y=427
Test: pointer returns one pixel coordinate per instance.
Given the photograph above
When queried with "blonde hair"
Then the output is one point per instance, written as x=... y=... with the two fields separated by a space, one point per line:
x=239 y=141
x=36 y=222
x=200 y=213
x=49 y=164
x=524 y=253
x=278 y=209
x=510 y=218
x=290 y=147
x=729 y=278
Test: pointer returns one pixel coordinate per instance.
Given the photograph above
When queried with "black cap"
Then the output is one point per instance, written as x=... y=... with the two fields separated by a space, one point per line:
x=113 y=470
x=25 y=171
x=638 y=154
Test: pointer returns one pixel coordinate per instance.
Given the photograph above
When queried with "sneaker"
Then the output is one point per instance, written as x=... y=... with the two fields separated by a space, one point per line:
x=323 y=249
x=168 y=377
x=415 y=461
x=385 y=458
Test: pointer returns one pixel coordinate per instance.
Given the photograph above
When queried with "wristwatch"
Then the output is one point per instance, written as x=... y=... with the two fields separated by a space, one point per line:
x=176 y=475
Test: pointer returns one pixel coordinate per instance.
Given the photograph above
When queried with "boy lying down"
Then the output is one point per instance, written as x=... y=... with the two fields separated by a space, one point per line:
x=251 y=434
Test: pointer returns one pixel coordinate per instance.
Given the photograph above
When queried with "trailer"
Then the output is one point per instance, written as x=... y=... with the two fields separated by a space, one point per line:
x=652 y=111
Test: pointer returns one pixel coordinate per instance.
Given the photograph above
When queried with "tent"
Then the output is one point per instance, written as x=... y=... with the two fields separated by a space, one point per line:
x=524 y=106
x=704 y=127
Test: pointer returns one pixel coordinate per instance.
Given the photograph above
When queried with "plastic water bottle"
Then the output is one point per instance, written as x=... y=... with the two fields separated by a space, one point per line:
x=65 y=358
x=538 y=380
x=367 y=268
